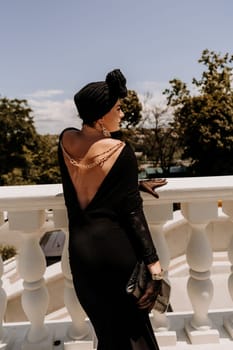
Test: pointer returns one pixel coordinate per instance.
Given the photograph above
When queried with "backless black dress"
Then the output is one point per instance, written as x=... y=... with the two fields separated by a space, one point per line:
x=103 y=250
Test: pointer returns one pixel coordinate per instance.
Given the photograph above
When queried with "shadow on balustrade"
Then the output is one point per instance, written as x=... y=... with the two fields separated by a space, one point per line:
x=52 y=244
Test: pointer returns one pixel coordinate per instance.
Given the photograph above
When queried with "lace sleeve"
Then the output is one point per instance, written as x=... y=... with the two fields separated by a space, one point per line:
x=134 y=217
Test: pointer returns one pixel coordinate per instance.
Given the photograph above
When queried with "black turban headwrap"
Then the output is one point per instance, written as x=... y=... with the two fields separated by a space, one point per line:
x=96 y=99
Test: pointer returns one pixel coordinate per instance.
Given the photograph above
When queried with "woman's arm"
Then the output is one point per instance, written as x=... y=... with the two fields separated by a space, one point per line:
x=137 y=225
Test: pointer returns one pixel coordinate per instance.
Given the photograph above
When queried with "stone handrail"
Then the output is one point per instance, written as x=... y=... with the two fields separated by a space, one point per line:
x=25 y=208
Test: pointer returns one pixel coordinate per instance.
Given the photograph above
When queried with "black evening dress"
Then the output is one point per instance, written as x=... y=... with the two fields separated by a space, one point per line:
x=103 y=250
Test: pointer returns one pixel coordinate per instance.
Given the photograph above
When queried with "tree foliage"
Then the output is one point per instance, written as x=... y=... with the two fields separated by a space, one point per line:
x=132 y=108
x=204 y=120
x=18 y=139
x=25 y=156
x=45 y=169
x=159 y=138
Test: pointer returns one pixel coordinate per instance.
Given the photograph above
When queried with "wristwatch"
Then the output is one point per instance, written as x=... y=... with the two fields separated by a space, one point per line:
x=158 y=276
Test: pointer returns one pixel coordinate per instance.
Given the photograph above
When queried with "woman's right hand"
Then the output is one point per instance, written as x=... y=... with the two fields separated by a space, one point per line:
x=148 y=299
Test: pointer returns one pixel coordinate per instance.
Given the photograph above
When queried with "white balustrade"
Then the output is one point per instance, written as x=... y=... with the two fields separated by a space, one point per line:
x=25 y=207
x=228 y=322
x=1 y=218
x=3 y=296
x=157 y=215
x=31 y=267
x=3 y=302
x=199 y=258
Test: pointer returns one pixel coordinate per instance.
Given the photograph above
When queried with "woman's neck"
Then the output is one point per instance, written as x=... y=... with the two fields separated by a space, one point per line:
x=91 y=132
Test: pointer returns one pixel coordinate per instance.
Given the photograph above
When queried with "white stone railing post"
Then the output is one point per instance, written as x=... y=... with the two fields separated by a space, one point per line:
x=1 y=218
x=3 y=296
x=31 y=267
x=157 y=215
x=199 y=257
x=227 y=207
x=3 y=303
x=79 y=329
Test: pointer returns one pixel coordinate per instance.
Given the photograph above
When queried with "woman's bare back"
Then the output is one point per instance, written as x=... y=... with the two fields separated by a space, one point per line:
x=89 y=158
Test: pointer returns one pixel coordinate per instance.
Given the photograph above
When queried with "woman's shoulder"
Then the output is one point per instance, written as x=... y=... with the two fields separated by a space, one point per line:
x=129 y=148
x=108 y=142
x=69 y=132
x=105 y=146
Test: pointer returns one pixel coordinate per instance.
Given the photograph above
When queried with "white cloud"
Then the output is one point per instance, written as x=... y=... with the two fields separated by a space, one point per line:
x=44 y=93
x=155 y=91
x=152 y=86
x=52 y=116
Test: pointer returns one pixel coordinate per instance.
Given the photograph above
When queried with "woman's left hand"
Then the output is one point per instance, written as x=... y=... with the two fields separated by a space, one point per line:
x=148 y=299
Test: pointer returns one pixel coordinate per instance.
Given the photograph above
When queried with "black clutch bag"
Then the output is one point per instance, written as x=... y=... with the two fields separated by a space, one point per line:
x=137 y=284
x=138 y=280
x=163 y=298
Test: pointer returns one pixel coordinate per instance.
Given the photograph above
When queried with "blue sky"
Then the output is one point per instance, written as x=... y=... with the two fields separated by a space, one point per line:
x=50 y=48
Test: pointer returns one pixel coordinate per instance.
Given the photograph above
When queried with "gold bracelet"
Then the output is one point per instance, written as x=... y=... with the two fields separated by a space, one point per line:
x=158 y=276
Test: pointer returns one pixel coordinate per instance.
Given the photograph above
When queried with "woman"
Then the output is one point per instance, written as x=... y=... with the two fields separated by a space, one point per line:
x=108 y=232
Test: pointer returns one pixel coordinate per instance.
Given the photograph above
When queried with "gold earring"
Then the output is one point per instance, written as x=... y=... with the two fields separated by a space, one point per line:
x=105 y=131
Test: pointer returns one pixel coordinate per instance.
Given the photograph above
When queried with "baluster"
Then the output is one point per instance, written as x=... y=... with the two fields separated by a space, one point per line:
x=199 y=257
x=3 y=304
x=79 y=329
x=157 y=215
x=227 y=208
x=31 y=267
x=1 y=218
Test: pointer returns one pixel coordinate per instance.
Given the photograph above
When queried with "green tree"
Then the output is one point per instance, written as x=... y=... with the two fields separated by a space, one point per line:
x=132 y=108
x=204 y=119
x=160 y=139
x=19 y=141
x=45 y=169
x=26 y=157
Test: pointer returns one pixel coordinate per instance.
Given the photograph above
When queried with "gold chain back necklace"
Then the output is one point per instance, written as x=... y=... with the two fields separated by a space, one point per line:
x=98 y=162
